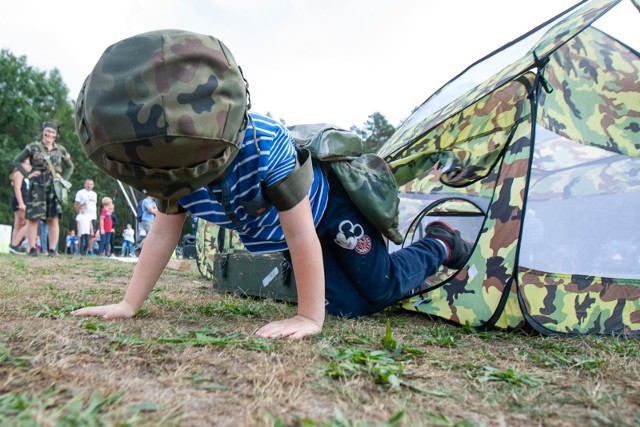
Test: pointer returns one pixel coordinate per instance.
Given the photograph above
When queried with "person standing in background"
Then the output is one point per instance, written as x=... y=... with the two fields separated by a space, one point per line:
x=85 y=229
x=149 y=211
x=114 y=223
x=106 y=227
x=96 y=242
x=20 y=187
x=89 y=198
x=74 y=243
x=128 y=238
x=42 y=201
x=43 y=232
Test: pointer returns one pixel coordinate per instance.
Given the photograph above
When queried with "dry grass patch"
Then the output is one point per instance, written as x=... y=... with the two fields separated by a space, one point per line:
x=190 y=359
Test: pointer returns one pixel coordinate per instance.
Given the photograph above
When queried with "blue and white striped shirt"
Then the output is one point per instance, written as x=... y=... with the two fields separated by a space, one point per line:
x=243 y=181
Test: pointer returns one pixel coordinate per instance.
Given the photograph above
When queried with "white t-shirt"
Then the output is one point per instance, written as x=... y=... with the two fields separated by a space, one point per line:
x=89 y=198
x=84 y=223
x=129 y=235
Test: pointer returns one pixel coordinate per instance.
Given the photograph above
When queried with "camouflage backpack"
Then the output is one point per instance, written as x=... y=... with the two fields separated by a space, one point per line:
x=367 y=178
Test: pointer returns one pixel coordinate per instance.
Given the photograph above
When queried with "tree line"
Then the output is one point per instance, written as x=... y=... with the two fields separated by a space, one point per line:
x=29 y=97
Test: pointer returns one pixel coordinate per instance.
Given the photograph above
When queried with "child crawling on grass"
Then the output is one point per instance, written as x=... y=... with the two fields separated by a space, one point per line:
x=168 y=113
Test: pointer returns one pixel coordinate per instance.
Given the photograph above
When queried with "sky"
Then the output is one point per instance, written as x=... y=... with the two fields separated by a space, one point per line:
x=307 y=61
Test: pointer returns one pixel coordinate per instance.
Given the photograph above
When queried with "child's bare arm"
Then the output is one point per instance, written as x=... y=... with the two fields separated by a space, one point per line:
x=306 y=256
x=158 y=247
x=17 y=189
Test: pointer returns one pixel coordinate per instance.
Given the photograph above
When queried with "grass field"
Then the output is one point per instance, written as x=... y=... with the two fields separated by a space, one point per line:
x=190 y=359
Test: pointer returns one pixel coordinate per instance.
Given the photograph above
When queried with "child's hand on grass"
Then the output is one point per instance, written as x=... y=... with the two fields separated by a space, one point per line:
x=122 y=310
x=294 y=328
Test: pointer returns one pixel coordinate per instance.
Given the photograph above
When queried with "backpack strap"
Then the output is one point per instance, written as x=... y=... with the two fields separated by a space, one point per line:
x=47 y=158
x=294 y=187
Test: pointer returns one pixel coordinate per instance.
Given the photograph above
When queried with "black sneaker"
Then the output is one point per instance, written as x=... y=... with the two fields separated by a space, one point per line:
x=18 y=250
x=51 y=253
x=459 y=249
x=33 y=252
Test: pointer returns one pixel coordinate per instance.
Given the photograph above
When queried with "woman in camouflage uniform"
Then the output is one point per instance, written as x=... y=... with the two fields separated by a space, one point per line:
x=42 y=201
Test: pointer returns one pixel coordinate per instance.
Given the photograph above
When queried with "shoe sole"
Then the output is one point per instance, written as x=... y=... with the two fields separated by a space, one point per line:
x=459 y=236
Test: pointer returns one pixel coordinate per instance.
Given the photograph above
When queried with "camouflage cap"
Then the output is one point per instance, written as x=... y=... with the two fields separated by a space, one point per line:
x=50 y=124
x=164 y=112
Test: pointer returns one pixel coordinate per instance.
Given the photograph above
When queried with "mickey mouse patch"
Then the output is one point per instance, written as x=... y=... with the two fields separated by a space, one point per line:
x=351 y=236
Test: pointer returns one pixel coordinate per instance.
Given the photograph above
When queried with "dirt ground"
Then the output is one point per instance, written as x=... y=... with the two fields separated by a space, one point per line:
x=190 y=359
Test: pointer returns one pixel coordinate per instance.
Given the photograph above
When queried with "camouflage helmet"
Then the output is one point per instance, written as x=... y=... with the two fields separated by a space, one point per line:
x=164 y=112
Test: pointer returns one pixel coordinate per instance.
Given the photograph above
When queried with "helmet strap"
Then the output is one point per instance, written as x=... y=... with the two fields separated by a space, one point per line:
x=246 y=85
x=246 y=88
x=255 y=136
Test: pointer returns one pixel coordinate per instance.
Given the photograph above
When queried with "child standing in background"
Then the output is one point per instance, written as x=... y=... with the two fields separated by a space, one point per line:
x=84 y=224
x=20 y=187
x=67 y=242
x=128 y=238
x=73 y=242
x=106 y=227
x=96 y=242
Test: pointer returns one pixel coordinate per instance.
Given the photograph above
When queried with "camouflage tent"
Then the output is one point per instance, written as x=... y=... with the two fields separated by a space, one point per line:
x=539 y=165
x=534 y=154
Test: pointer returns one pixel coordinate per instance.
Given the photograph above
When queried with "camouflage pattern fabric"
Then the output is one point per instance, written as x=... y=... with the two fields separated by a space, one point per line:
x=205 y=247
x=208 y=235
x=164 y=112
x=603 y=113
x=469 y=143
x=577 y=304
x=372 y=188
x=478 y=293
x=594 y=104
x=59 y=156
x=471 y=157
x=406 y=146
x=457 y=150
x=43 y=202
x=327 y=142
x=367 y=178
x=587 y=172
